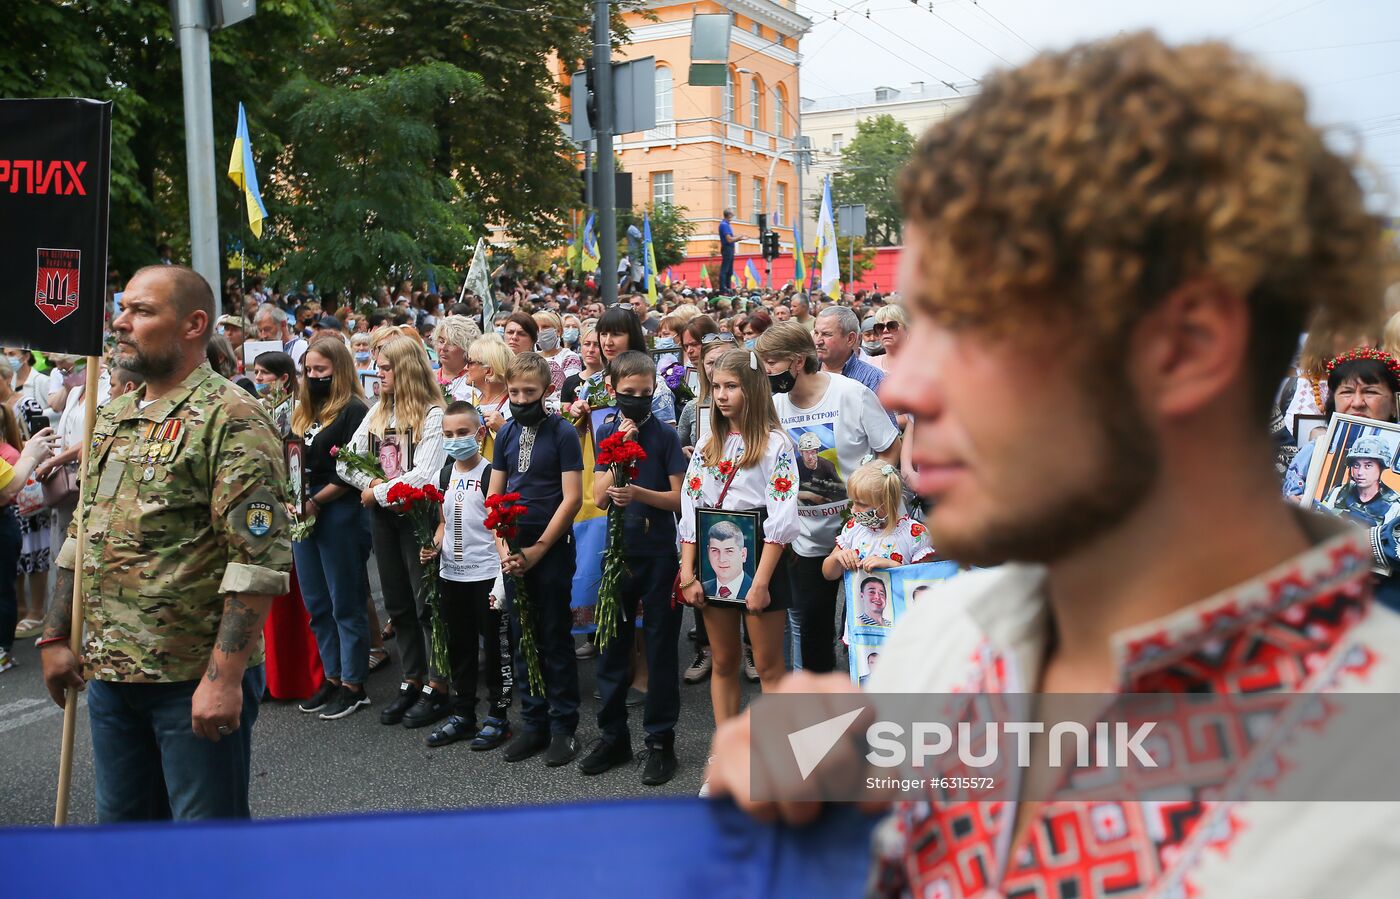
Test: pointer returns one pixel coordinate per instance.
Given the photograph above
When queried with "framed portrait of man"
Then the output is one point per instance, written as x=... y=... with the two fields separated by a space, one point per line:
x=1353 y=476
x=294 y=454
x=728 y=545
x=596 y=419
x=394 y=451
x=370 y=383
x=1308 y=425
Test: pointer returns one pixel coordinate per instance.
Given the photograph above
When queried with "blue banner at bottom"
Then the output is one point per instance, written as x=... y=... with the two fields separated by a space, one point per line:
x=671 y=848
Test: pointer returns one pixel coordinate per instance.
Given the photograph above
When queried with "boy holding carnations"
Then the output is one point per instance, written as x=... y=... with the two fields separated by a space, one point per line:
x=649 y=502
x=537 y=455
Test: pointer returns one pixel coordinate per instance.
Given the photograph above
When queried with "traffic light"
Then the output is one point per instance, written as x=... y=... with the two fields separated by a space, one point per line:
x=770 y=245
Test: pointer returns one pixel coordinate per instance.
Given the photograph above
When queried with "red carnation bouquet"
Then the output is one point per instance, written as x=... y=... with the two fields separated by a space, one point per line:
x=422 y=505
x=621 y=455
x=503 y=511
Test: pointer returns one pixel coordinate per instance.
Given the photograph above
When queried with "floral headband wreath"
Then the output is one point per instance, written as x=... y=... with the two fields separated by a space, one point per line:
x=1366 y=352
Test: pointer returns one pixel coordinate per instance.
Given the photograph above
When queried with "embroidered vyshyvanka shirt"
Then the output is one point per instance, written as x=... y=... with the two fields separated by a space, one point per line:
x=1306 y=627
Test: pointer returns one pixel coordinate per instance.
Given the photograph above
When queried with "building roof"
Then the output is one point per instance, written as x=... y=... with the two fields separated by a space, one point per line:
x=881 y=96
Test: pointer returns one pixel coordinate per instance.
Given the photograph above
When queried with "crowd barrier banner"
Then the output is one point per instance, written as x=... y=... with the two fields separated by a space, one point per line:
x=672 y=848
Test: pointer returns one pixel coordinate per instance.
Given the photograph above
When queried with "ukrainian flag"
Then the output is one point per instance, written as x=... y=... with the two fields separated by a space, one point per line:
x=751 y=279
x=240 y=169
x=590 y=246
x=649 y=263
x=799 y=260
x=590 y=540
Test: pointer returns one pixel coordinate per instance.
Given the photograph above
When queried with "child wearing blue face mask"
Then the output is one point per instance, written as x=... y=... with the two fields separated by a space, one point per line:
x=469 y=566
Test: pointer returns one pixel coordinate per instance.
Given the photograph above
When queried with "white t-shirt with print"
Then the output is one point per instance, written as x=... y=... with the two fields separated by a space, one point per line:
x=906 y=544
x=468 y=549
x=846 y=423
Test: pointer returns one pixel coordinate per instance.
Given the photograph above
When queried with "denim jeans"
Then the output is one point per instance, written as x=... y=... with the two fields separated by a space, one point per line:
x=650 y=582
x=9 y=570
x=331 y=571
x=550 y=585
x=150 y=766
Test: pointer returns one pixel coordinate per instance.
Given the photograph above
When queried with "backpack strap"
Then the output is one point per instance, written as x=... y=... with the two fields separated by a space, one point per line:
x=445 y=475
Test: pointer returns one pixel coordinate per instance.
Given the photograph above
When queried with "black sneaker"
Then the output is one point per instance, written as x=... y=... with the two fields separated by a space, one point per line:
x=605 y=756
x=563 y=748
x=393 y=713
x=450 y=731
x=346 y=703
x=432 y=705
x=526 y=744
x=661 y=765
x=319 y=699
x=494 y=732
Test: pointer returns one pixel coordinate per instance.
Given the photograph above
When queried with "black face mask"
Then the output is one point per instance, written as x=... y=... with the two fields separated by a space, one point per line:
x=636 y=408
x=528 y=414
x=783 y=381
x=319 y=388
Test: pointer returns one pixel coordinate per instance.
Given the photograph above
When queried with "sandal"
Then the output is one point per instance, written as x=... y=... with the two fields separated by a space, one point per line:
x=378 y=658
x=29 y=627
x=493 y=733
x=388 y=632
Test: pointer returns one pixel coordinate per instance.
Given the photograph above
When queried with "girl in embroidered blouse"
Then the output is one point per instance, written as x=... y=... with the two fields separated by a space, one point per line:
x=747 y=441
x=879 y=533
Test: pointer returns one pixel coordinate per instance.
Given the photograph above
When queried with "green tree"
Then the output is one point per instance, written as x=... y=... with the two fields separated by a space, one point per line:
x=670 y=230
x=359 y=180
x=869 y=165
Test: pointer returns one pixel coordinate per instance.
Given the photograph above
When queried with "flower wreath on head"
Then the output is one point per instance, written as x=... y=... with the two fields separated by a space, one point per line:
x=1366 y=352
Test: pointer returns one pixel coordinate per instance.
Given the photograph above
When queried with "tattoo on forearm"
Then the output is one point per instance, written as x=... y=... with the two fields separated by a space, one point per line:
x=212 y=672
x=238 y=627
x=58 y=621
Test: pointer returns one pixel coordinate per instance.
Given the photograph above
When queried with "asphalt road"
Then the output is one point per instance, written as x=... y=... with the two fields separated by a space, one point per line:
x=304 y=766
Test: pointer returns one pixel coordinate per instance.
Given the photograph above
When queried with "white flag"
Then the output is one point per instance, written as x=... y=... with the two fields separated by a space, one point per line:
x=479 y=283
x=828 y=258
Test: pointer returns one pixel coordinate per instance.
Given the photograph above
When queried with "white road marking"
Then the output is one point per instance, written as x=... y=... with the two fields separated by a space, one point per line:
x=28 y=714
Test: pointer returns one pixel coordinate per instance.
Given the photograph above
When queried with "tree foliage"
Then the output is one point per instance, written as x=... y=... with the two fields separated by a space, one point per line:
x=476 y=139
x=869 y=165
x=670 y=230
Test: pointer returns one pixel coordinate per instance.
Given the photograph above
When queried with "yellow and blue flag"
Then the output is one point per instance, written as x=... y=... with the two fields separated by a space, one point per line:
x=590 y=246
x=751 y=279
x=649 y=262
x=240 y=169
x=799 y=259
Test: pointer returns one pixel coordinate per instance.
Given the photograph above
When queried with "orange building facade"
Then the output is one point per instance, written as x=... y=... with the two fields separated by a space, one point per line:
x=719 y=148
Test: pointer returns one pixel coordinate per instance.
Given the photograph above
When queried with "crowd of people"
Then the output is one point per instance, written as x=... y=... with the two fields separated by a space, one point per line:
x=778 y=384
x=1110 y=258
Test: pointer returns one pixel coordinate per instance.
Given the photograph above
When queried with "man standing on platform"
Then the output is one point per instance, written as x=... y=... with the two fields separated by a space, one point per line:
x=186 y=546
x=727 y=240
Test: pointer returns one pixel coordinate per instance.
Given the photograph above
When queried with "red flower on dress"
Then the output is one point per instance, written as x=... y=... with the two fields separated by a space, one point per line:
x=916 y=529
x=782 y=485
x=896 y=557
x=725 y=467
x=695 y=484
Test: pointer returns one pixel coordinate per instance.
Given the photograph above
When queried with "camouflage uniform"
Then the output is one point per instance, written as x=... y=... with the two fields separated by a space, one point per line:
x=184 y=506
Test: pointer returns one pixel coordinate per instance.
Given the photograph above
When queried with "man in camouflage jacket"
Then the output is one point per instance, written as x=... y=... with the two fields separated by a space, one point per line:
x=186 y=545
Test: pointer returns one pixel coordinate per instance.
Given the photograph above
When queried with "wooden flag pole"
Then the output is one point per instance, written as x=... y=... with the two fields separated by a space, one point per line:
x=70 y=706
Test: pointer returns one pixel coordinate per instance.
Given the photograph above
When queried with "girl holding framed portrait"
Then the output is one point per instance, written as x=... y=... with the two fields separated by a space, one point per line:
x=408 y=419
x=738 y=516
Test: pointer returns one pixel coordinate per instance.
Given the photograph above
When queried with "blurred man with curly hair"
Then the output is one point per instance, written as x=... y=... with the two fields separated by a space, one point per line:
x=1110 y=255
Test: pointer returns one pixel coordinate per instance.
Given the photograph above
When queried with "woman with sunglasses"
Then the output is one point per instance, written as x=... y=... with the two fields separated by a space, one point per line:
x=889 y=329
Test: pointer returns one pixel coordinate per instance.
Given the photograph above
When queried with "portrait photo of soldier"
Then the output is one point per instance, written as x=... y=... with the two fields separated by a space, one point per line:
x=818 y=481
x=1363 y=498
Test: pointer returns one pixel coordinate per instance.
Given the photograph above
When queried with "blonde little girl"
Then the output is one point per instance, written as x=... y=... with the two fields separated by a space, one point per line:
x=880 y=533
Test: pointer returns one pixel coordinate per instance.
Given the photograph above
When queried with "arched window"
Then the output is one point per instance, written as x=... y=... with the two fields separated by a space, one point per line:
x=731 y=112
x=779 y=112
x=664 y=111
x=756 y=104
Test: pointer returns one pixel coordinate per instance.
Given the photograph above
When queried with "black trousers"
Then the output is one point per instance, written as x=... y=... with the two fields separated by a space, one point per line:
x=726 y=273
x=549 y=584
x=467 y=613
x=814 y=597
x=405 y=599
x=650 y=583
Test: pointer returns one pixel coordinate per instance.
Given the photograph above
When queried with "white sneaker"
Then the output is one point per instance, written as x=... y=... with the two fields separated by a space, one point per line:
x=7 y=661
x=705 y=787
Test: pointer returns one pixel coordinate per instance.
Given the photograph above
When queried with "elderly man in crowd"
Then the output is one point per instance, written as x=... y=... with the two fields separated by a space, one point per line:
x=837 y=336
x=271 y=324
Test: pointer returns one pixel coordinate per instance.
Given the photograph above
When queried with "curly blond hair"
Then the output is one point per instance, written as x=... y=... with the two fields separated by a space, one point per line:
x=1086 y=185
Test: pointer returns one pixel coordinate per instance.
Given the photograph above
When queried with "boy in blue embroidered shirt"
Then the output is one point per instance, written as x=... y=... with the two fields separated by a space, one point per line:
x=537 y=455
x=649 y=505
